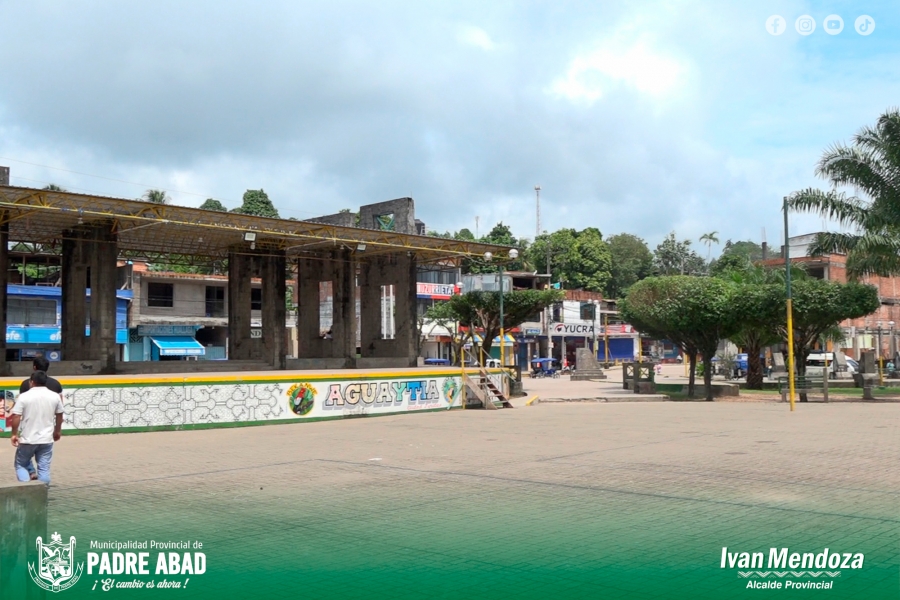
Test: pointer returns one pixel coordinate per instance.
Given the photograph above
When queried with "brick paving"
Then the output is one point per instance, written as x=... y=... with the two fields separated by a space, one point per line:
x=527 y=494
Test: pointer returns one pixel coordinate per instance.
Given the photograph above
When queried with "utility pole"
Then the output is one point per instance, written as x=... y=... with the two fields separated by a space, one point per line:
x=476 y=227
x=537 y=228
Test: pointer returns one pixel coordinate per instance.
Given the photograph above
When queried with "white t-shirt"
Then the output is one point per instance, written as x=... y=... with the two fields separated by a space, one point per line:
x=38 y=408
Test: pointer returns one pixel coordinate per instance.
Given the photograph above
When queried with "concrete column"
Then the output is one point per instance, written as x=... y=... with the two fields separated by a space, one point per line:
x=4 y=276
x=339 y=268
x=104 y=256
x=91 y=252
x=398 y=270
x=344 y=329
x=240 y=265
x=74 y=343
x=274 y=311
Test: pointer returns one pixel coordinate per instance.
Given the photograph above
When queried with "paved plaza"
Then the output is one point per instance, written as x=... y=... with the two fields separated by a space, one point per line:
x=552 y=500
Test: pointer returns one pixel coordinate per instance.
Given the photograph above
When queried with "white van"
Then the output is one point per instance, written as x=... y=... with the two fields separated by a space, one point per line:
x=815 y=365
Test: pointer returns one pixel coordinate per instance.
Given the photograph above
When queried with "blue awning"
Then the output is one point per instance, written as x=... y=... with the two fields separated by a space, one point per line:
x=178 y=346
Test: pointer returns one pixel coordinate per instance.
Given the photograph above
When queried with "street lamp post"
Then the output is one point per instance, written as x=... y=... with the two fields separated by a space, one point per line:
x=880 y=357
x=891 y=343
x=513 y=255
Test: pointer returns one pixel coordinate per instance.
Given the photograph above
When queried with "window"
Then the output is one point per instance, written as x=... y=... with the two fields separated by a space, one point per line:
x=557 y=313
x=587 y=311
x=160 y=295
x=31 y=311
x=256 y=299
x=215 y=301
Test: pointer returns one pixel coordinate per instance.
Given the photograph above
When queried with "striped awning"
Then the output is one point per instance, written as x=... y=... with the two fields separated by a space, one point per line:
x=508 y=339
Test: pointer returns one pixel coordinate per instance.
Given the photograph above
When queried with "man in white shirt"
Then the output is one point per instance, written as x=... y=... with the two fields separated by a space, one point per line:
x=36 y=422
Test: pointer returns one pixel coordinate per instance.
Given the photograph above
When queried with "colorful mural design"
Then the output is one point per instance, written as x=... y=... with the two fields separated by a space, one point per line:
x=301 y=398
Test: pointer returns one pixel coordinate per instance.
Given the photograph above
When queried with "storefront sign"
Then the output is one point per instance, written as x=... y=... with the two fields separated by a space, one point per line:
x=613 y=329
x=161 y=330
x=571 y=329
x=532 y=331
x=440 y=291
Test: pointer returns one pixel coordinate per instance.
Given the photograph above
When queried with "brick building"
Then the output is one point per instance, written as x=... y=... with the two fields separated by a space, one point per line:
x=878 y=329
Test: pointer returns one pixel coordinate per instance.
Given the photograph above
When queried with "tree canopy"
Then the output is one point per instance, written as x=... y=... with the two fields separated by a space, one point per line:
x=693 y=312
x=577 y=259
x=630 y=261
x=256 y=202
x=673 y=257
x=871 y=165
x=213 y=204
x=156 y=197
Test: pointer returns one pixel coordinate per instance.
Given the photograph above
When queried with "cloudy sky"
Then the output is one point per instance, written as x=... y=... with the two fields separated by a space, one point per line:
x=645 y=117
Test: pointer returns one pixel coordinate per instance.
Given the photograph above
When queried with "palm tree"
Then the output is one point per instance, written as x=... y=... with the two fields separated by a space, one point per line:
x=871 y=165
x=709 y=239
x=156 y=197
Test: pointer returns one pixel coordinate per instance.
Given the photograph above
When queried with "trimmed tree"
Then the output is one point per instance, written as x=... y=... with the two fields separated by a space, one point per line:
x=818 y=307
x=694 y=312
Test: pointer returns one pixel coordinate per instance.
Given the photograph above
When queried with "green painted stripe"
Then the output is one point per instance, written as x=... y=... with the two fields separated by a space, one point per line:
x=228 y=425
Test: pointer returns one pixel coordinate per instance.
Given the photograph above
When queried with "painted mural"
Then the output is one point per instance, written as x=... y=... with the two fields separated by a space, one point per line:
x=138 y=403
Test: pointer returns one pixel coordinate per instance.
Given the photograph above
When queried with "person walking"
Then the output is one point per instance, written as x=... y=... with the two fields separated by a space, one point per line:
x=40 y=363
x=36 y=422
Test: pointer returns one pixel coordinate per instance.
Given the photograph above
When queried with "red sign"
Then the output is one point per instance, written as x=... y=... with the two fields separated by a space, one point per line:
x=440 y=291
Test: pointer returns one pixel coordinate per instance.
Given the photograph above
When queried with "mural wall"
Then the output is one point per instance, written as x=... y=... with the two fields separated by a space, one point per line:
x=125 y=403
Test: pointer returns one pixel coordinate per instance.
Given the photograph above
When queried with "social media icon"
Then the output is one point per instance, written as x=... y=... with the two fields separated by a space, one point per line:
x=865 y=25
x=805 y=25
x=834 y=24
x=776 y=25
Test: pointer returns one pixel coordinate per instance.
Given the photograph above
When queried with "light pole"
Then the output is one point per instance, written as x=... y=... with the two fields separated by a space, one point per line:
x=513 y=255
x=880 y=357
x=891 y=344
x=790 y=311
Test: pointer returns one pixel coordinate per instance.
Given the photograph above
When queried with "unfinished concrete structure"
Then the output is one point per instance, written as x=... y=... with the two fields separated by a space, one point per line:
x=378 y=258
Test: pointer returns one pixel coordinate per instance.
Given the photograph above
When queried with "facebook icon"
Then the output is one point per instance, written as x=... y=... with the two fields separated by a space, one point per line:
x=775 y=25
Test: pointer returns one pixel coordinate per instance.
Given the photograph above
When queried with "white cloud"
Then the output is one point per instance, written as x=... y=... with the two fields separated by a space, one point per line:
x=638 y=66
x=475 y=36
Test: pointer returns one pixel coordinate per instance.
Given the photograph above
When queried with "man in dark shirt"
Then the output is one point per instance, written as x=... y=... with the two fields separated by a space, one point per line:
x=40 y=363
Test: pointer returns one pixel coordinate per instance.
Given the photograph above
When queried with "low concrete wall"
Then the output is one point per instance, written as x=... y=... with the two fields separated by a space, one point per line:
x=116 y=403
x=320 y=364
x=23 y=517
x=385 y=363
x=65 y=367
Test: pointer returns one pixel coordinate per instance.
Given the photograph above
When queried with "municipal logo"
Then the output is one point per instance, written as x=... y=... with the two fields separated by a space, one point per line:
x=56 y=570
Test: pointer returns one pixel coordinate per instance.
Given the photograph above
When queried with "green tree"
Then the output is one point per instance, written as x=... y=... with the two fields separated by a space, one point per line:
x=578 y=259
x=694 y=312
x=709 y=239
x=156 y=197
x=257 y=203
x=760 y=304
x=729 y=262
x=673 y=257
x=502 y=236
x=818 y=307
x=52 y=187
x=443 y=315
x=481 y=310
x=213 y=204
x=871 y=165
x=631 y=261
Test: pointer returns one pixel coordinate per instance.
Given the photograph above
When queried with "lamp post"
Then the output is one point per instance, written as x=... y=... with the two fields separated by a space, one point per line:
x=513 y=255
x=891 y=344
x=880 y=357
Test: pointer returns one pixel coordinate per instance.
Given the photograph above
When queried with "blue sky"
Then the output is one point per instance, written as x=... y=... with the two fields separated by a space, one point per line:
x=645 y=117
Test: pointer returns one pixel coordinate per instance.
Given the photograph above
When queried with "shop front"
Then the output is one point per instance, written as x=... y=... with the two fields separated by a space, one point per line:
x=166 y=342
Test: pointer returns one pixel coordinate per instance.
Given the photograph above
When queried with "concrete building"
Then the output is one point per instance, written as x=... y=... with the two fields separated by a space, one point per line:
x=178 y=316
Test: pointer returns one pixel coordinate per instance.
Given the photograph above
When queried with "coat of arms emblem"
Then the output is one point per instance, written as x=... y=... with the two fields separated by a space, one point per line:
x=56 y=570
